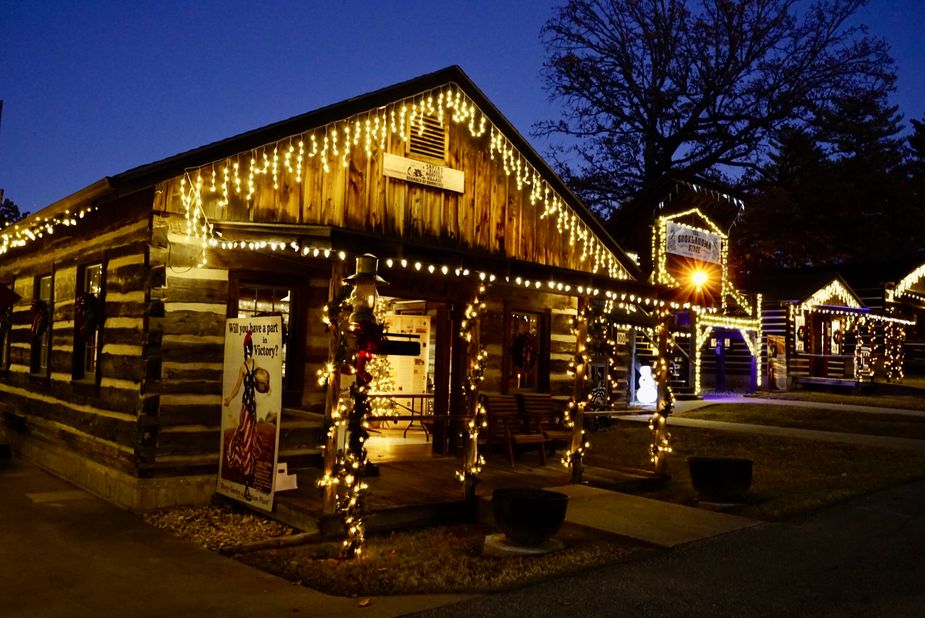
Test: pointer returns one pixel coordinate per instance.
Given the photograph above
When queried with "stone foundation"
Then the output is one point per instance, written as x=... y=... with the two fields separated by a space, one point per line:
x=112 y=485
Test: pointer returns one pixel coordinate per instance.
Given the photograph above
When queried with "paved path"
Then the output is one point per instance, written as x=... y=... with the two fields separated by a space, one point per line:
x=66 y=553
x=858 y=558
x=653 y=521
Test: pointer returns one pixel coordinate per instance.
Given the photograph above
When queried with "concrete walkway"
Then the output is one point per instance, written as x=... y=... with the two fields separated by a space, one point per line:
x=64 y=552
x=653 y=521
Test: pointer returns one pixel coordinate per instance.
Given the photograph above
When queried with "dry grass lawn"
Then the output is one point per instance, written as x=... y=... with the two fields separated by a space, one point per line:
x=790 y=475
x=908 y=402
x=896 y=425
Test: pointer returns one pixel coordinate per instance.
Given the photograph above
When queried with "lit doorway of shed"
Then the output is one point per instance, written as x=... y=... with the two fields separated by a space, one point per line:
x=403 y=387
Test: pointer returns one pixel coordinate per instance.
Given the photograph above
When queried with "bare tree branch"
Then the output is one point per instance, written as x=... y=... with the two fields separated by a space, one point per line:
x=659 y=85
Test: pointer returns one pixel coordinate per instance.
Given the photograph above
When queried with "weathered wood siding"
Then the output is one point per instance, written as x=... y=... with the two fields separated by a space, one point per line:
x=504 y=210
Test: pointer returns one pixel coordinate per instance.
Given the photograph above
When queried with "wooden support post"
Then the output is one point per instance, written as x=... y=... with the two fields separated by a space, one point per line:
x=332 y=396
x=663 y=405
x=471 y=450
x=578 y=392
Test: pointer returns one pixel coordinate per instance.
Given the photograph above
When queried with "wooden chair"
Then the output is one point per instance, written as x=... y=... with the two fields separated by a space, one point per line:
x=505 y=425
x=540 y=416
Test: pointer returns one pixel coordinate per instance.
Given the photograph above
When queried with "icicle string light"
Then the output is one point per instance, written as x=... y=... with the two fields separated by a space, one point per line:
x=22 y=233
x=335 y=143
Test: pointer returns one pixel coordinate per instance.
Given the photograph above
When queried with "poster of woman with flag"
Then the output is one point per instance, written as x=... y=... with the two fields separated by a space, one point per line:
x=250 y=430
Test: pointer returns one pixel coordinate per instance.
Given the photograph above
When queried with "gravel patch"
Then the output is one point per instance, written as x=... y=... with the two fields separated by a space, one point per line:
x=217 y=527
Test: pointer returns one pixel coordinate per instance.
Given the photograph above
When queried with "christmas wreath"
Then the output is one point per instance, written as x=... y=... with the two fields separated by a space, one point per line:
x=86 y=315
x=40 y=318
x=837 y=337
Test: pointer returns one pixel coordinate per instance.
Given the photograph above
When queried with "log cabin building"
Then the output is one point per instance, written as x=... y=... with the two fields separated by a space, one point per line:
x=820 y=332
x=111 y=372
x=680 y=231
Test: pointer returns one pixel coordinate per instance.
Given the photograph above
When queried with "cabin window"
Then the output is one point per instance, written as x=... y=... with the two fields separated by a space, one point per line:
x=256 y=300
x=6 y=334
x=428 y=137
x=41 y=327
x=88 y=308
x=524 y=350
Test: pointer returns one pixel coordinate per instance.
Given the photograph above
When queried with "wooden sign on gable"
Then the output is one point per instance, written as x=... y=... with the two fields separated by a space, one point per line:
x=423 y=173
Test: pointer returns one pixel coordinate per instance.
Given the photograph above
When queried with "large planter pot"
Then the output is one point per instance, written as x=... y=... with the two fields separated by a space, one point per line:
x=528 y=516
x=720 y=478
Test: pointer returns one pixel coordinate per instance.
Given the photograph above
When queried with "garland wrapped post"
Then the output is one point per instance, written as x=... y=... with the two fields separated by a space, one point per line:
x=894 y=336
x=658 y=424
x=329 y=378
x=576 y=406
x=475 y=412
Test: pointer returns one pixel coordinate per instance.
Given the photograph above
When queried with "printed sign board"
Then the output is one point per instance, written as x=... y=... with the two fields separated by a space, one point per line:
x=697 y=244
x=251 y=406
x=423 y=173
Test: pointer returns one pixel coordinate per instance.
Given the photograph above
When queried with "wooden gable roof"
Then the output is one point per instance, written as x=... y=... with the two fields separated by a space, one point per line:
x=324 y=171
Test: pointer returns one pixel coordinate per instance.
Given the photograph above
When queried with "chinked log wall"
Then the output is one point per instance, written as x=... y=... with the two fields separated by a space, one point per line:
x=76 y=425
x=193 y=304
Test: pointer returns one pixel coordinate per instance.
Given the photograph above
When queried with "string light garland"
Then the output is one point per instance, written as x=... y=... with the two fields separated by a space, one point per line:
x=894 y=338
x=905 y=284
x=833 y=291
x=660 y=448
x=23 y=233
x=370 y=132
x=348 y=417
x=473 y=461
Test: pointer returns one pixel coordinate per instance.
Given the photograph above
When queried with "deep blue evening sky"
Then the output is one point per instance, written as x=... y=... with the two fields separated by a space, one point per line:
x=93 y=88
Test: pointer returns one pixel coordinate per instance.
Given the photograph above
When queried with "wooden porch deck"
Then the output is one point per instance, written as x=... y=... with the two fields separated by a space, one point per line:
x=423 y=490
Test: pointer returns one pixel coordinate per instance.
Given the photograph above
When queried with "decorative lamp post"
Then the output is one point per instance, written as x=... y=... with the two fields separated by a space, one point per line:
x=368 y=337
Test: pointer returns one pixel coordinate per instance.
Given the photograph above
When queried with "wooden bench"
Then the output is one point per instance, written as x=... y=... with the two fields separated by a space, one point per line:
x=540 y=415
x=505 y=425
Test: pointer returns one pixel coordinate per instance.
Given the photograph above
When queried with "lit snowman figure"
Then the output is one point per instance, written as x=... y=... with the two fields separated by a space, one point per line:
x=648 y=391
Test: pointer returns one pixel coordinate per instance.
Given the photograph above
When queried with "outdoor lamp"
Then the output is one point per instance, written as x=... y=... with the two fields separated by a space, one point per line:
x=699 y=278
x=364 y=296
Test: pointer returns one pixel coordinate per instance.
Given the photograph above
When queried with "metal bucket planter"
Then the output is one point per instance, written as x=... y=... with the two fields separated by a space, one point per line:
x=527 y=516
x=720 y=479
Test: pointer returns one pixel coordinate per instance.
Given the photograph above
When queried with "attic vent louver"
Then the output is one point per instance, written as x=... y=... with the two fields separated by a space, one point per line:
x=428 y=138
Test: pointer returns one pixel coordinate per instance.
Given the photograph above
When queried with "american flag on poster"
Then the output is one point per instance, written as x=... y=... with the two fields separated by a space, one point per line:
x=251 y=407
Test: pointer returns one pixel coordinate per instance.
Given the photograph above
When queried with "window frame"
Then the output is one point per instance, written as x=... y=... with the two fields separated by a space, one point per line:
x=7 y=338
x=80 y=371
x=43 y=344
x=541 y=355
